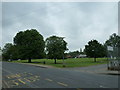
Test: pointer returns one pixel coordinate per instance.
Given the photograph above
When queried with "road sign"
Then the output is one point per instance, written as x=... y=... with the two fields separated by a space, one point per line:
x=110 y=48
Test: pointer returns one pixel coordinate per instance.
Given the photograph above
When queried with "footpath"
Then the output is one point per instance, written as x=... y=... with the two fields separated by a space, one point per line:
x=99 y=69
x=39 y=65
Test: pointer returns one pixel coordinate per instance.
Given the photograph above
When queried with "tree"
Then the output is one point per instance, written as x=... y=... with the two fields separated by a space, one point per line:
x=30 y=44
x=14 y=52
x=95 y=49
x=74 y=54
x=113 y=41
x=6 y=52
x=55 y=47
x=0 y=54
x=81 y=52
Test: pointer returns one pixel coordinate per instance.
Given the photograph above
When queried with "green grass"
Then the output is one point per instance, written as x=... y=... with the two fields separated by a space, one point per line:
x=71 y=62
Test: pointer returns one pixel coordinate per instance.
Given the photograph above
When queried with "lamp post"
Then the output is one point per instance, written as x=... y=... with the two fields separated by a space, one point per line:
x=94 y=55
x=63 y=60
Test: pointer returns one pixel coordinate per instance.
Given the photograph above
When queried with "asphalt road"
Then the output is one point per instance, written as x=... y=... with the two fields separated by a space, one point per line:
x=16 y=75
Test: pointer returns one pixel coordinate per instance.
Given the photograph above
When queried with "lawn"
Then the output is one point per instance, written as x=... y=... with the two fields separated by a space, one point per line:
x=71 y=62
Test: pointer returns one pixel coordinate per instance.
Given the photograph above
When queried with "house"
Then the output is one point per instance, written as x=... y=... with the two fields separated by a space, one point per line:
x=82 y=56
x=68 y=56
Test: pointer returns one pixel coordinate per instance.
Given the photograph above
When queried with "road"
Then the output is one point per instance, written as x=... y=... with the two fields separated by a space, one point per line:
x=16 y=75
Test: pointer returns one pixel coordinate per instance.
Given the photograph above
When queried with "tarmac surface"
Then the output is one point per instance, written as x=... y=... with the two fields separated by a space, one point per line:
x=16 y=75
x=96 y=69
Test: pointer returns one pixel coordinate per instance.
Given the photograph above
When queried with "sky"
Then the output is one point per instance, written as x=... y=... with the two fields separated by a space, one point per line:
x=78 y=22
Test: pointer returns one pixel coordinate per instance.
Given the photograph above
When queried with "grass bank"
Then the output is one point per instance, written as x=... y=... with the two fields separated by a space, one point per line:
x=71 y=62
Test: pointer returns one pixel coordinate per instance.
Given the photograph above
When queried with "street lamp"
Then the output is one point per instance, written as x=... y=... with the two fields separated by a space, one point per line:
x=94 y=55
x=63 y=60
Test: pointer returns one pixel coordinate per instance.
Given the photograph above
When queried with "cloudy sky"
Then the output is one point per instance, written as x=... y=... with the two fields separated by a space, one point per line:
x=78 y=22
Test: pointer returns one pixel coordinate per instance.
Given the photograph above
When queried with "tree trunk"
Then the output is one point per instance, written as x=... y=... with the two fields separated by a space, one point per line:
x=29 y=60
x=94 y=59
x=55 y=60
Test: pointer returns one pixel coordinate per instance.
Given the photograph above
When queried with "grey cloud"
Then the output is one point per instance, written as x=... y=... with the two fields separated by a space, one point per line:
x=77 y=22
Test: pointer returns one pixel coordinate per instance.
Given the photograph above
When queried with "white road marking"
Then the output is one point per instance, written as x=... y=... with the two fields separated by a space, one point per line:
x=63 y=84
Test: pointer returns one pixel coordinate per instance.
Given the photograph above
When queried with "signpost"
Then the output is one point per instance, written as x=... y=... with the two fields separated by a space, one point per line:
x=113 y=62
x=110 y=48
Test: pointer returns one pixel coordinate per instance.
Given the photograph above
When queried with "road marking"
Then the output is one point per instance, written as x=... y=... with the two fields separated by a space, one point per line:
x=7 y=71
x=37 y=76
x=48 y=79
x=33 y=78
x=27 y=80
x=5 y=83
x=63 y=84
x=18 y=75
x=21 y=81
x=103 y=86
x=30 y=73
x=12 y=76
x=8 y=77
x=15 y=83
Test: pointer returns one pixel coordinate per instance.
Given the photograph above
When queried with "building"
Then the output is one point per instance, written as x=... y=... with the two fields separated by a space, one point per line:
x=82 y=56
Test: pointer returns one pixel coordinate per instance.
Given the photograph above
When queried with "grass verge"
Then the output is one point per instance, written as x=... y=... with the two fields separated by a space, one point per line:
x=71 y=62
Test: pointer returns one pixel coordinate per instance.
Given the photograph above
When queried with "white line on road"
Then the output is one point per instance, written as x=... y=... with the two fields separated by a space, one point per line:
x=102 y=86
x=63 y=84
x=48 y=79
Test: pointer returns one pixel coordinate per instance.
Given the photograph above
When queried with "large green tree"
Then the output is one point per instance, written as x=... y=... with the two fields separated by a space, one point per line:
x=55 y=47
x=95 y=49
x=30 y=44
x=7 y=51
x=114 y=40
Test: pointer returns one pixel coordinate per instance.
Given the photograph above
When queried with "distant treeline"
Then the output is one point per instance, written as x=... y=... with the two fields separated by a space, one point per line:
x=30 y=44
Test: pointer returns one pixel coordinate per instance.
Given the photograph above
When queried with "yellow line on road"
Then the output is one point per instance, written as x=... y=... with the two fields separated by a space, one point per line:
x=63 y=84
x=27 y=80
x=18 y=75
x=30 y=73
x=15 y=83
x=31 y=78
x=21 y=81
x=48 y=79
x=37 y=76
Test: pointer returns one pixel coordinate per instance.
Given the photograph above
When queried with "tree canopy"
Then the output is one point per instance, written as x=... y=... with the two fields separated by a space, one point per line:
x=114 y=40
x=95 y=49
x=55 y=47
x=74 y=54
x=30 y=44
x=6 y=52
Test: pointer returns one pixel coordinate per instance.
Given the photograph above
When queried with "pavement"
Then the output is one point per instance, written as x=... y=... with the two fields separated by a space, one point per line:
x=16 y=75
x=98 y=69
x=39 y=65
